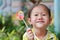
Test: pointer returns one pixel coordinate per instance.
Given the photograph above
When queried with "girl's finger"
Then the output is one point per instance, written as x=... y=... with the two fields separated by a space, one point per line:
x=29 y=29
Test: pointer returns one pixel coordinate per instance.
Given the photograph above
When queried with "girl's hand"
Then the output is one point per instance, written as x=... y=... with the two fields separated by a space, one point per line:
x=30 y=34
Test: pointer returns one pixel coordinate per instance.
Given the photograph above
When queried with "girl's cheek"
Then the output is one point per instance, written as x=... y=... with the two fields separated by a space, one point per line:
x=46 y=17
x=32 y=21
x=33 y=18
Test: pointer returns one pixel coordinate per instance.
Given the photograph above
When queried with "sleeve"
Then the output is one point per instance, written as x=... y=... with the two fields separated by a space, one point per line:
x=54 y=37
x=25 y=37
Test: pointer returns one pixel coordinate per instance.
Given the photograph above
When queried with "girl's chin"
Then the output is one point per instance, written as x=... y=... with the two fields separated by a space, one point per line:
x=39 y=25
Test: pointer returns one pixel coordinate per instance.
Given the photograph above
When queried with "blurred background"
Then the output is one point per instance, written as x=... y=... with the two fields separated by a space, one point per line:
x=10 y=27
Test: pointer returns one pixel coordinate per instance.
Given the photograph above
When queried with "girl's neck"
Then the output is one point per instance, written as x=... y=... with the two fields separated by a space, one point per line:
x=40 y=32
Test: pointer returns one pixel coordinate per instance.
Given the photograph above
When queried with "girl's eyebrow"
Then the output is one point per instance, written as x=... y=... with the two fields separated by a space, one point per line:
x=41 y=12
x=35 y=12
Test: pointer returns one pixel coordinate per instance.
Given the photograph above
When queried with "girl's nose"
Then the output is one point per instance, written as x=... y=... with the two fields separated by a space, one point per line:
x=40 y=17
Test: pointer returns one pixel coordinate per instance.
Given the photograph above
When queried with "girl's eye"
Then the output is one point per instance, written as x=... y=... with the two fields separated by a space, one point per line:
x=36 y=14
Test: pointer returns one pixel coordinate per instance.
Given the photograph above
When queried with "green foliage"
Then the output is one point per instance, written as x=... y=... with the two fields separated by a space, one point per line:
x=51 y=28
x=9 y=31
x=1 y=21
x=58 y=35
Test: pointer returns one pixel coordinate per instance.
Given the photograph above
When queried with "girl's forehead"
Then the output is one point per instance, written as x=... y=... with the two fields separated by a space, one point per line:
x=39 y=8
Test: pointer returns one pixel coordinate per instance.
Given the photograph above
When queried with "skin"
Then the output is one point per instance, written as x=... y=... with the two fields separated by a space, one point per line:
x=40 y=20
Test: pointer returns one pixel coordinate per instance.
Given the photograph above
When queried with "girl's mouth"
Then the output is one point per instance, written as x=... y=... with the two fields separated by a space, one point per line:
x=40 y=22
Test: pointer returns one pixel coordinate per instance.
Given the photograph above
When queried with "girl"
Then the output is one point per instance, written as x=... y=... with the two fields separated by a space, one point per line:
x=39 y=17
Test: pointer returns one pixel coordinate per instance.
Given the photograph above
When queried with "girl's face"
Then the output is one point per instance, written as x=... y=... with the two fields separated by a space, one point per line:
x=39 y=17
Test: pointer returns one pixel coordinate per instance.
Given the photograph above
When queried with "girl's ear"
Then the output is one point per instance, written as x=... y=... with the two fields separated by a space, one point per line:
x=29 y=21
x=50 y=20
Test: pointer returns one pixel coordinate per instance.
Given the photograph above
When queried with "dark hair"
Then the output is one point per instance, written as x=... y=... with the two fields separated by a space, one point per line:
x=34 y=1
x=29 y=12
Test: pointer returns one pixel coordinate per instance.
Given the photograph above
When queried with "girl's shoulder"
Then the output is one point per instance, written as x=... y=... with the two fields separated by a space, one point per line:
x=52 y=36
